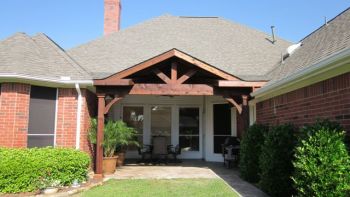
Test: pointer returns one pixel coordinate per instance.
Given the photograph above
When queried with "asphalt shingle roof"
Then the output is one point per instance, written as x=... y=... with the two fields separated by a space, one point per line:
x=231 y=47
x=320 y=44
x=37 y=56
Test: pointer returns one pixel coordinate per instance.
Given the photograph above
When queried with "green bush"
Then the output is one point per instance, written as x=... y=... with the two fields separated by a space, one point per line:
x=276 y=161
x=26 y=170
x=322 y=164
x=251 y=144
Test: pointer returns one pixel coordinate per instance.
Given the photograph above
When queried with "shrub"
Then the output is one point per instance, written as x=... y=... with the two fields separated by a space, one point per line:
x=251 y=144
x=322 y=164
x=26 y=170
x=276 y=161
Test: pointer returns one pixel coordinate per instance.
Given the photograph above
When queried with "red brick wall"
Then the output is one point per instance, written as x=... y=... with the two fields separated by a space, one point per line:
x=326 y=99
x=89 y=110
x=14 y=114
x=67 y=118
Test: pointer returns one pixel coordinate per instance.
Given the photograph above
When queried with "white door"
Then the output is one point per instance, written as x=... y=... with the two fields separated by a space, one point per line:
x=189 y=131
x=221 y=123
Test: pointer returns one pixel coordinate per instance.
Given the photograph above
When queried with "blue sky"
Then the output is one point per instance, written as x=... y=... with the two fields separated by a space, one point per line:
x=73 y=22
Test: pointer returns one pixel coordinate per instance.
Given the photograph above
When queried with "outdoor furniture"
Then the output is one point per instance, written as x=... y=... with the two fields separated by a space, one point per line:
x=174 y=151
x=230 y=151
x=144 y=151
x=160 y=151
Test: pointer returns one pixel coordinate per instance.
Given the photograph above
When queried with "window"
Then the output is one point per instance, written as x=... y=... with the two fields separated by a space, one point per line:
x=133 y=117
x=189 y=129
x=42 y=114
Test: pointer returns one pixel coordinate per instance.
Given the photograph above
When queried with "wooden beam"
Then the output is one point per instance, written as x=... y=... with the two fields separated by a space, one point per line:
x=114 y=82
x=110 y=104
x=162 y=76
x=167 y=55
x=100 y=130
x=204 y=66
x=171 y=89
x=237 y=83
x=146 y=64
x=234 y=103
x=186 y=76
x=174 y=72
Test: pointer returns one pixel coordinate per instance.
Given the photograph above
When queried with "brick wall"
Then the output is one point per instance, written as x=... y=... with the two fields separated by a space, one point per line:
x=67 y=118
x=326 y=99
x=14 y=114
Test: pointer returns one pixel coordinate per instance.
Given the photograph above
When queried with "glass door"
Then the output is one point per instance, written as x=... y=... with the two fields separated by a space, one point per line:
x=221 y=125
x=161 y=122
x=189 y=129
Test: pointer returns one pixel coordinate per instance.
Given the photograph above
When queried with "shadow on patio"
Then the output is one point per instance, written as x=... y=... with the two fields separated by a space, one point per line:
x=187 y=169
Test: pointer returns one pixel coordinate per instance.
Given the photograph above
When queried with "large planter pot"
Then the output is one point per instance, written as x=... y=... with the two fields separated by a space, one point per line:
x=121 y=158
x=109 y=164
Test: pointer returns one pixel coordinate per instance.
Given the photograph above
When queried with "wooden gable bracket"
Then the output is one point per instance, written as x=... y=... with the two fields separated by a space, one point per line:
x=174 y=79
x=110 y=104
x=235 y=104
x=162 y=76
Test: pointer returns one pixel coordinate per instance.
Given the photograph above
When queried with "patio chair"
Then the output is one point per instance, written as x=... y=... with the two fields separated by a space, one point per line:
x=160 y=149
x=230 y=151
x=144 y=151
x=174 y=151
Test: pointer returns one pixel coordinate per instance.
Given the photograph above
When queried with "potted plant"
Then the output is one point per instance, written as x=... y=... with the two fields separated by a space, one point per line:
x=127 y=137
x=116 y=133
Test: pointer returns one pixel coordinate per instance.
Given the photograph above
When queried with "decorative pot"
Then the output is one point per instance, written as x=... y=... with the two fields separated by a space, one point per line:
x=121 y=158
x=109 y=164
x=50 y=190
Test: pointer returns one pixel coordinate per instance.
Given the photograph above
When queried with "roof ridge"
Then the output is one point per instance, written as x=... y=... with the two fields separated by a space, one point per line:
x=63 y=54
x=324 y=25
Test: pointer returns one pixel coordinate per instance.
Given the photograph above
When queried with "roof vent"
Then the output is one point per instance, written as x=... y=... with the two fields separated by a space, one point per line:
x=273 y=34
x=291 y=49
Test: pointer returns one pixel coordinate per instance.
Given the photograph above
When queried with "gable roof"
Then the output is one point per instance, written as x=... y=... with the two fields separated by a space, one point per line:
x=231 y=47
x=37 y=56
x=322 y=43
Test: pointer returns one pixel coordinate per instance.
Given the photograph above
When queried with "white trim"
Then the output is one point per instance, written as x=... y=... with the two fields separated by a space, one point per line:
x=56 y=113
x=252 y=112
x=79 y=106
x=44 y=79
x=318 y=68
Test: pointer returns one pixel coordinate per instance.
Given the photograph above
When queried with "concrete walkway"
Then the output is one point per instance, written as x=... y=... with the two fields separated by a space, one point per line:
x=188 y=169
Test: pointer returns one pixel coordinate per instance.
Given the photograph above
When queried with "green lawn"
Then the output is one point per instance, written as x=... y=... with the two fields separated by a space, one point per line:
x=163 y=187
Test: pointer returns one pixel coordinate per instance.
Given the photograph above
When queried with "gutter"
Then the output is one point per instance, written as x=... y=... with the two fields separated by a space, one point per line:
x=79 y=106
x=319 y=67
x=43 y=79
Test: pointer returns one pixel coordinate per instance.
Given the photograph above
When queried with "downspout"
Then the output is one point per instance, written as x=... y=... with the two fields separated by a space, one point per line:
x=77 y=137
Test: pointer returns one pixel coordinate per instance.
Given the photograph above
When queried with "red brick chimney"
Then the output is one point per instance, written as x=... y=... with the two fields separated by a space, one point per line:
x=112 y=16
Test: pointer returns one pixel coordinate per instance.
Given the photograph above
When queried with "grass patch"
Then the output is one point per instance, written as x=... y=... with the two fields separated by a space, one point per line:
x=162 y=187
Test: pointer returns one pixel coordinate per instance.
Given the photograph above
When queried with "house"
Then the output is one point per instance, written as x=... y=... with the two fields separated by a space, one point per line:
x=194 y=80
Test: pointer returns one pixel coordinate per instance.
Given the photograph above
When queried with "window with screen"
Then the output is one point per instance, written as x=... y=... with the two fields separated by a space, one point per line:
x=222 y=125
x=42 y=114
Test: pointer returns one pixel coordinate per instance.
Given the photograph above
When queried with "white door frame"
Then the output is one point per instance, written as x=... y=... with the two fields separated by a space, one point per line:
x=209 y=141
x=117 y=113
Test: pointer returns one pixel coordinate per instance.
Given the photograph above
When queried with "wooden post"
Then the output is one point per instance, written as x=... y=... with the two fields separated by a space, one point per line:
x=245 y=114
x=100 y=133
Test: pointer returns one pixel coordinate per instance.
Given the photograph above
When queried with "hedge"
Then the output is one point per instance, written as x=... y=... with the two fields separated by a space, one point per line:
x=250 y=151
x=276 y=161
x=27 y=170
x=322 y=164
